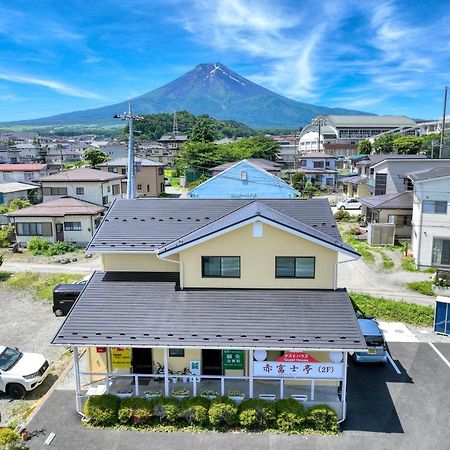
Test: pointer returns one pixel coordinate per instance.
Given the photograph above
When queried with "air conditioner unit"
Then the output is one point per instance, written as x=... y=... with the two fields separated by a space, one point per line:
x=243 y=175
x=380 y=234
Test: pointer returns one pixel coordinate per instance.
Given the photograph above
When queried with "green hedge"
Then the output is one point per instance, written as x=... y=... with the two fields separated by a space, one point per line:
x=8 y=436
x=287 y=416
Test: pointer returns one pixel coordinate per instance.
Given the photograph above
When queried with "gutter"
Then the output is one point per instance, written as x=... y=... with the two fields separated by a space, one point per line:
x=177 y=262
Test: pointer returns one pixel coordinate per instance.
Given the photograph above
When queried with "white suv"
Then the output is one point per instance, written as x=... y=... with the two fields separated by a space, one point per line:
x=349 y=203
x=21 y=372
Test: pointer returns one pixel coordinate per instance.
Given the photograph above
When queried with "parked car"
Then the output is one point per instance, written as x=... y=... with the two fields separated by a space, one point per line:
x=64 y=296
x=21 y=372
x=349 y=203
x=376 y=345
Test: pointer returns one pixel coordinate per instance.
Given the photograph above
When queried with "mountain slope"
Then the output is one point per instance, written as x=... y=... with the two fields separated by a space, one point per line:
x=208 y=89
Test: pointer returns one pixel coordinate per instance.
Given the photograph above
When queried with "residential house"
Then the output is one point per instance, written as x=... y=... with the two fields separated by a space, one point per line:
x=91 y=185
x=149 y=175
x=430 y=239
x=29 y=152
x=63 y=219
x=270 y=166
x=22 y=173
x=340 y=135
x=288 y=149
x=13 y=191
x=172 y=143
x=319 y=168
x=243 y=179
x=235 y=294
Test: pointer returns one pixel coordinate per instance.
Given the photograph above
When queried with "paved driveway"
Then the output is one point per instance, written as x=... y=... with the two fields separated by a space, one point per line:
x=386 y=410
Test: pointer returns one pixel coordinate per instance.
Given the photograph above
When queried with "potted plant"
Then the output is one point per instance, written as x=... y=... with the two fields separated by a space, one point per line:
x=440 y=287
x=153 y=393
x=209 y=394
x=237 y=396
x=174 y=376
x=180 y=393
x=185 y=375
x=125 y=393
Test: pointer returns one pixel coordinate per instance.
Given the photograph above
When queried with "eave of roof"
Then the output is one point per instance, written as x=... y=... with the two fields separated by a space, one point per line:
x=403 y=200
x=119 y=309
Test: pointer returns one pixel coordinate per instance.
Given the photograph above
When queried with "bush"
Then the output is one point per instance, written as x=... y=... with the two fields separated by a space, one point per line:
x=322 y=418
x=424 y=287
x=342 y=215
x=5 y=232
x=290 y=415
x=60 y=248
x=195 y=410
x=249 y=419
x=135 y=411
x=38 y=246
x=408 y=264
x=222 y=414
x=167 y=408
x=102 y=410
x=8 y=436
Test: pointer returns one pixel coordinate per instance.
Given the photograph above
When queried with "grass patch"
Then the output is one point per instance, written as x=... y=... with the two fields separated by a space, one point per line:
x=408 y=264
x=392 y=310
x=360 y=246
x=41 y=285
x=429 y=270
x=387 y=262
x=424 y=287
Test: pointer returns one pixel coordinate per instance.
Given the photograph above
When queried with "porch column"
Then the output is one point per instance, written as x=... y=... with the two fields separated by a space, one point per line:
x=76 y=365
x=344 y=389
x=166 y=371
x=250 y=373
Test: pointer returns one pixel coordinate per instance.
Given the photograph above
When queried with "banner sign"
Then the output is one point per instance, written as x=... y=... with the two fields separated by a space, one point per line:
x=296 y=357
x=121 y=357
x=297 y=370
x=233 y=359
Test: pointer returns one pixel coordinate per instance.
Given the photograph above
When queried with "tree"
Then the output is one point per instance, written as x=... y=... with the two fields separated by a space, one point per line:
x=430 y=145
x=201 y=132
x=252 y=147
x=365 y=147
x=298 y=181
x=198 y=155
x=18 y=203
x=95 y=156
x=384 y=144
x=407 y=145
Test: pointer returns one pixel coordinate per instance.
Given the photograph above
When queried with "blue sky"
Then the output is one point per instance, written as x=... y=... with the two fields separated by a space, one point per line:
x=386 y=57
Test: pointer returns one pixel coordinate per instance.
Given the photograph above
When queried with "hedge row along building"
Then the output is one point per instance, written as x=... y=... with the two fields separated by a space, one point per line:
x=221 y=295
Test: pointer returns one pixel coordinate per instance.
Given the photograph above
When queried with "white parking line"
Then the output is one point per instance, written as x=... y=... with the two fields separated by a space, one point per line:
x=389 y=357
x=440 y=354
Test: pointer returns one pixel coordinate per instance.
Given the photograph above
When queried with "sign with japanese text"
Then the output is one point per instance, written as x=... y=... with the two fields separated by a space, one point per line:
x=233 y=359
x=101 y=349
x=121 y=357
x=297 y=370
x=296 y=357
x=194 y=367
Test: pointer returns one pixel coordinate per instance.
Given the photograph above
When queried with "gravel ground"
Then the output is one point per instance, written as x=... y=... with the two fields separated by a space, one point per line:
x=29 y=325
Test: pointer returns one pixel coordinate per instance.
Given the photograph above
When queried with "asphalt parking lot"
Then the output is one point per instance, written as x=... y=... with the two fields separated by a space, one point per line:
x=385 y=410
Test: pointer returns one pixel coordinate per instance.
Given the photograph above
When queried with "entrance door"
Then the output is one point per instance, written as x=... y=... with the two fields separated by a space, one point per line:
x=212 y=362
x=142 y=360
x=59 y=232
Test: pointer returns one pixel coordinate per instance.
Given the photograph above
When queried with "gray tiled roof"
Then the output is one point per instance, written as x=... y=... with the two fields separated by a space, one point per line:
x=82 y=174
x=252 y=210
x=436 y=172
x=112 y=311
x=404 y=200
x=370 y=121
x=124 y=162
x=145 y=224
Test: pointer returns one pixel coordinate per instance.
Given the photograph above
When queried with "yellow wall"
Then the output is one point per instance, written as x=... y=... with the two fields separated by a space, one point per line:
x=258 y=260
x=363 y=191
x=146 y=262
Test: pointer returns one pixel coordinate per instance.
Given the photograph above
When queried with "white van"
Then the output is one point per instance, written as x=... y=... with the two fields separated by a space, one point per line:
x=21 y=372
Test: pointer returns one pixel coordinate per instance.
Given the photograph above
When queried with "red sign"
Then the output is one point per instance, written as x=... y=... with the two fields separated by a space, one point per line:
x=296 y=357
x=101 y=349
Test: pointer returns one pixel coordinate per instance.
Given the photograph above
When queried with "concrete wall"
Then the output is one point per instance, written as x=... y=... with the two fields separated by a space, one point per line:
x=94 y=191
x=258 y=260
x=400 y=231
x=427 y=227
x=137 y=262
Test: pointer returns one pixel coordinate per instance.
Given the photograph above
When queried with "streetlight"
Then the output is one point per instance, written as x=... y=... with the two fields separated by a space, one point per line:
x=319 y=122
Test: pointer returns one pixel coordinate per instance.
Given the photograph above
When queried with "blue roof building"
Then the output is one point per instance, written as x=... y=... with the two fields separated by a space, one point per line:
x=243 y=180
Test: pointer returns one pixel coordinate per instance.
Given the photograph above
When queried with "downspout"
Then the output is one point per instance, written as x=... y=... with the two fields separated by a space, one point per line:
x=344 y=390
x=419 y=237
x=181 y=268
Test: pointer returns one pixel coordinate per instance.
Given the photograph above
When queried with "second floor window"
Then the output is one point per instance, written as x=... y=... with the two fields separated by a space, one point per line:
x=221 y=266
x=295 y=267
x=80 y=190
x=116 y=189
x=434 y=207
x=54 y=191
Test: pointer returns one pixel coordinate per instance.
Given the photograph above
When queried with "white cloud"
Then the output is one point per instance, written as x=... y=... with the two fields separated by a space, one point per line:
x=51 y=84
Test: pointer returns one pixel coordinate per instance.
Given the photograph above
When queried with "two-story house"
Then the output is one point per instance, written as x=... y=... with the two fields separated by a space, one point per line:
x=91 y=185
x=149 y=175
x=22 y=173
x=319 y=168
x=216 y=294
x=430 y=240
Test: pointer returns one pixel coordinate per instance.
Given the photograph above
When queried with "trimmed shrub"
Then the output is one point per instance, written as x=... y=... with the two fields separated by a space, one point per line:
x=195 y=410
x=8 y=436
x=223 y=414
x=60 y=248
x=249 y=419
x=322 y=418
x=102 y=409
x=167 y=408
x=342 y=215
x=291 y=415
x=135 y=411
x=38 y=246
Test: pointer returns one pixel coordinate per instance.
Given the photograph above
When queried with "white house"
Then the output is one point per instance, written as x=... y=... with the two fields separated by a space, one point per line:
x=91 y=185
x=63 y=219
x=13 y=191
x=430 y=240
x=22 y=173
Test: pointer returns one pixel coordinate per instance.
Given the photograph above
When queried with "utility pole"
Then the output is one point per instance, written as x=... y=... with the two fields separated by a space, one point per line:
x=175 y=124
x=319 y=121
x=441 y=145
x=61 y=169
x=131 y=171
